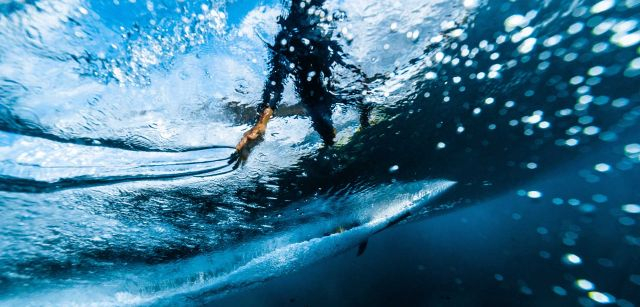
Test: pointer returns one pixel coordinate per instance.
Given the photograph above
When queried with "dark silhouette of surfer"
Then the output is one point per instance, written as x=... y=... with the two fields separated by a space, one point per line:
x=304 y=50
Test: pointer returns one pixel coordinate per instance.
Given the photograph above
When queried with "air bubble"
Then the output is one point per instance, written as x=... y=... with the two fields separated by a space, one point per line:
x=584 y=285
x=559 y=290
x=603 y=298
x=572 y=259
x=514 y=21
x=534 y=194
x=602 y=167
x=602 y=6
x=631 y=208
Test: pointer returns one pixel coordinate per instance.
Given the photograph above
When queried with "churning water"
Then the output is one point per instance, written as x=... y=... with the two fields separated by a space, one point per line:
x=118 y=118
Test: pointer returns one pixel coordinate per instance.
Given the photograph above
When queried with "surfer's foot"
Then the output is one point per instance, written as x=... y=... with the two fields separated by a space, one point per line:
x=329 y=139
x=253 y=137
x=365 y=114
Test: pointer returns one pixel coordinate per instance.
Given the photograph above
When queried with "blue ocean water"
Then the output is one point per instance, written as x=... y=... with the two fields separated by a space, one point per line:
x=499 y=168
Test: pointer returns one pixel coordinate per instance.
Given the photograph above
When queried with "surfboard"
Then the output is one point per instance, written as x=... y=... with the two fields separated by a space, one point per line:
x=205 y=277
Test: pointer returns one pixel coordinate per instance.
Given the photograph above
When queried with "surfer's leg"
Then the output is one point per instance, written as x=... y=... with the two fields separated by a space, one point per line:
x=321 y=116
x=365 y=114
x=318 y=101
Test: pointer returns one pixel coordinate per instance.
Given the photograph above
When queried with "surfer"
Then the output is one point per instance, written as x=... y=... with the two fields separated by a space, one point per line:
x=304 y=50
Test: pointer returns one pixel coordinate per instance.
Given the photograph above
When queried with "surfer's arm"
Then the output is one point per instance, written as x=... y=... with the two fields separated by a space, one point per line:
x=271 y=96
x=353 y=68
x=363 y=80
x=274 y=86
x=255 y=133
x=338 y=56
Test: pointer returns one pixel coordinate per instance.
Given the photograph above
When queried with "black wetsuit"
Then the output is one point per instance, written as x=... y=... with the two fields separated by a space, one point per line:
x=304 y=49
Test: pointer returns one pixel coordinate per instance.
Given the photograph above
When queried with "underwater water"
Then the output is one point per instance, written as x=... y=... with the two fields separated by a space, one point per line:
x=500 y=168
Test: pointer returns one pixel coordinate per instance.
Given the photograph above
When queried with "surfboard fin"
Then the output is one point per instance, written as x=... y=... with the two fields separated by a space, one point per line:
x=362 y=247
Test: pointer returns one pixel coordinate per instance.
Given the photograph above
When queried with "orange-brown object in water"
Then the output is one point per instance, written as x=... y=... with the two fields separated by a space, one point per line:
x=255 y=135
